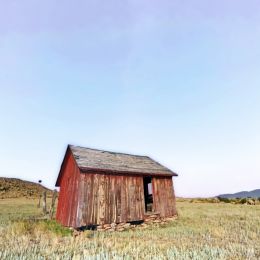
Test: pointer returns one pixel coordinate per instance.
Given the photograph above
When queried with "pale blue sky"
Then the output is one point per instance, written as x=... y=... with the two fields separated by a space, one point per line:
x=176 y=80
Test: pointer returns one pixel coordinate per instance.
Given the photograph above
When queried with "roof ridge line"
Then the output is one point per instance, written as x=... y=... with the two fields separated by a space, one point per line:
x=99 y=150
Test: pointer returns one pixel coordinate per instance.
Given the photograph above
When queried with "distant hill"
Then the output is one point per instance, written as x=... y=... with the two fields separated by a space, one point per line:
x=242 y=194
x=16 y=188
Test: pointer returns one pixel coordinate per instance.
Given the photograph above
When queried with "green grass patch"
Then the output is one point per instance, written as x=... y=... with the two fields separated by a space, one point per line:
x=54 y=227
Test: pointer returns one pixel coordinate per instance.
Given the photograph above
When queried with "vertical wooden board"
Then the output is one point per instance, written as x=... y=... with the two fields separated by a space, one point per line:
x=164 y=202
x=114 y=200
x=118 y=198
x=90 y=198
x=67 y=215
x=138 y=213
x=105 y=196
x=75 y=195
x=123 y=216
x=161 y=192
x=133 y=199
x=83 y=199
x=157 y=198
x=171 y=197
x=95 y=198
x=97 y=208
x=85 y=202
x=67 y=202
x=101 y=200
x=127 y=192
x=168 y=209
x=155 y=195
x=109 y=198
x=62 y=200
x=142 y=203
x=80 y=202
x=130 y=198
x=172 y=194
x=137 y=197
x=71 y=218
x=130 y=195
x=140 y=199
x=168 y=199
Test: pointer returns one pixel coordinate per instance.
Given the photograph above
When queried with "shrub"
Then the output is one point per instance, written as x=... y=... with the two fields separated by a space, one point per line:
x=243 y=201
x=226 y=200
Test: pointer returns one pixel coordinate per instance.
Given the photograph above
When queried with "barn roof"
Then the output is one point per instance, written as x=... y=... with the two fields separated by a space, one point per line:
x=93 y=160
x=87 y=158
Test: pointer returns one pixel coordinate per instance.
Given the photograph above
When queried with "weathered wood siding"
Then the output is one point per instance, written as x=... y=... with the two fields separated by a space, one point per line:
x=97 y=198
x=68 y=195
x=109 y=198
x=163 y=196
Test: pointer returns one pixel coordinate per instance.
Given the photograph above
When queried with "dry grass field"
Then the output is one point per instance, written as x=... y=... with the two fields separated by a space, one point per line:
x=202 y=231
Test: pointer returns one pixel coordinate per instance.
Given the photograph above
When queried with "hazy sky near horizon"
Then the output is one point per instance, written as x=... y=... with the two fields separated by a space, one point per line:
x=176 y=80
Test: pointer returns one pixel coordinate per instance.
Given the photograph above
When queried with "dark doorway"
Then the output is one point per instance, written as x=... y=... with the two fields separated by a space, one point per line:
x=148 y=194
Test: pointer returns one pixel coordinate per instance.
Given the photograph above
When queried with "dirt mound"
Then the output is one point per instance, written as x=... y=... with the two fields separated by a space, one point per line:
x=16 y=188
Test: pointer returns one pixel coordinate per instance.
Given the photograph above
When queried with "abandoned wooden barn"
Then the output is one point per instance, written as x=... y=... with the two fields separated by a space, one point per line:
x=98 y=187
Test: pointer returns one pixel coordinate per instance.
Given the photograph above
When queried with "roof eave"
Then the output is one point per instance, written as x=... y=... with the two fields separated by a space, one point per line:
x=116 y=172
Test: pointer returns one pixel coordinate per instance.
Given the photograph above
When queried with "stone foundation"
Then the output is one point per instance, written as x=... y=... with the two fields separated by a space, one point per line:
x=148 y=221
